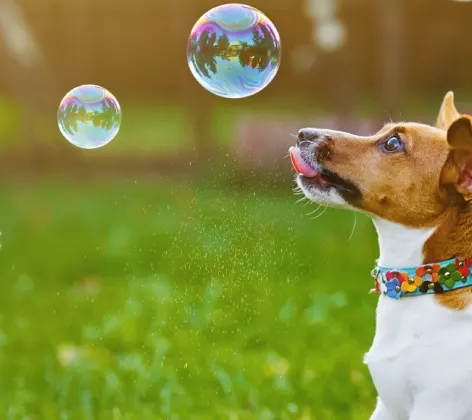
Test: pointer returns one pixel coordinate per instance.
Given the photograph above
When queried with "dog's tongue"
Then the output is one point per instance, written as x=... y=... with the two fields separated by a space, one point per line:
x=300 y=165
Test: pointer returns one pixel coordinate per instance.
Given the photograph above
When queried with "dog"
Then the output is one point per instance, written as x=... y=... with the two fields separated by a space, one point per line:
x=415 y=182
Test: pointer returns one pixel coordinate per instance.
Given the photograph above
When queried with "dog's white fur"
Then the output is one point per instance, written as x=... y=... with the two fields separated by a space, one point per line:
x=421 y=356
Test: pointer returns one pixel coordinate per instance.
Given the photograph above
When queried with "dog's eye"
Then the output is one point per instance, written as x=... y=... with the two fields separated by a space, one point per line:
x=393 y=144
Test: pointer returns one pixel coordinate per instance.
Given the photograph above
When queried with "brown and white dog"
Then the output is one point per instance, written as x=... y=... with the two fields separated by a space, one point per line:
x=415 y=181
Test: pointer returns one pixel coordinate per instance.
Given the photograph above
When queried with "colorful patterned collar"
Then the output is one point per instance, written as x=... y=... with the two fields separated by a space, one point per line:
x=426 y=279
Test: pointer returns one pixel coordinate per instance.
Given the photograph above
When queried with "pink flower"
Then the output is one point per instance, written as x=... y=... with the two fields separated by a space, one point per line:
x=401 y=277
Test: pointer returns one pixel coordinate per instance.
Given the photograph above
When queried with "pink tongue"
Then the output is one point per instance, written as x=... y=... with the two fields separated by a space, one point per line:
x=300 y=165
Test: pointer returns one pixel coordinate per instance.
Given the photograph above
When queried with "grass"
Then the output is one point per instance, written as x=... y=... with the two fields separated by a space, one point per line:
x=181 y=300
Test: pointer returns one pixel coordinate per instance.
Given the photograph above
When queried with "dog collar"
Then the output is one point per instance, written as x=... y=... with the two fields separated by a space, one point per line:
x=425 y=279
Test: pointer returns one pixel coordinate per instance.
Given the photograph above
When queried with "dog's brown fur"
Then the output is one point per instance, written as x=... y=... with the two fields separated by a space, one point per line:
x=424 y=187
x=453 y=237
x=391 y=185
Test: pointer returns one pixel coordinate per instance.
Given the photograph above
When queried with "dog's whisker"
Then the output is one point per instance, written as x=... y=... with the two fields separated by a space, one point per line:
x=318 y=212
x=308 y=203
x=321 y=214
x=314 y=211
x=353 y=227
x=294 y=135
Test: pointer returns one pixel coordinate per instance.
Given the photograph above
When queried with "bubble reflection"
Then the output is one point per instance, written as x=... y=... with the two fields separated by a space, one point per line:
x=89 y=117
x=234 y=51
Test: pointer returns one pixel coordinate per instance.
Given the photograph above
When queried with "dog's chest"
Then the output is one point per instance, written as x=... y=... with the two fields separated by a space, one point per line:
x=417 y=346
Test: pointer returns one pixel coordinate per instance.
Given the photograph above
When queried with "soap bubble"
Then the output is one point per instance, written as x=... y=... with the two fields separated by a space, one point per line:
x=234 y=51
x=89 y=117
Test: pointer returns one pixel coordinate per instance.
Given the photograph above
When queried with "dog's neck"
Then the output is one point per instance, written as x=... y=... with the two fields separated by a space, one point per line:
x=402 y=246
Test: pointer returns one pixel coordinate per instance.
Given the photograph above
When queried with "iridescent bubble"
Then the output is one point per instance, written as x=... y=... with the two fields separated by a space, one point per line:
x=89 y=117
x=234 y=51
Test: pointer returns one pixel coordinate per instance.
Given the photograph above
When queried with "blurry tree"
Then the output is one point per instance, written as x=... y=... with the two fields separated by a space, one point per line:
x=329 y=35
x=223 y=43
x=70 y=115
x=391 y=63
x=29 y=75
x=203 y=54
x=108 y=117
x=193 y=96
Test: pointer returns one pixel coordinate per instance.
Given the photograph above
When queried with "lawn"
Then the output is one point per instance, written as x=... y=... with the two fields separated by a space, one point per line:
x=181 y=299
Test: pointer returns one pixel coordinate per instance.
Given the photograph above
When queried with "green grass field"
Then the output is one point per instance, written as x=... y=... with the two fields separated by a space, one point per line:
x=179 y=300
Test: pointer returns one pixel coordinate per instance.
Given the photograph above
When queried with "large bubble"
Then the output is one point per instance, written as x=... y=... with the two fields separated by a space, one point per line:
x=89 y=117
x=234 y=51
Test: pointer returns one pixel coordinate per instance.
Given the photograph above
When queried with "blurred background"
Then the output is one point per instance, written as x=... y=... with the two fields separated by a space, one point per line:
x=173 y=274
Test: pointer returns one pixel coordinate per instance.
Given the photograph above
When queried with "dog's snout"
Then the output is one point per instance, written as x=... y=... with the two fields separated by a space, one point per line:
x=308 y=134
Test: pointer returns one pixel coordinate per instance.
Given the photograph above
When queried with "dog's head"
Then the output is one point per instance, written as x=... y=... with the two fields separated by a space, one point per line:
x=407 y=173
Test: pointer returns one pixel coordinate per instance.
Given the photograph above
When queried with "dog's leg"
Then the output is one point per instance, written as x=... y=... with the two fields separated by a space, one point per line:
x=382 y=413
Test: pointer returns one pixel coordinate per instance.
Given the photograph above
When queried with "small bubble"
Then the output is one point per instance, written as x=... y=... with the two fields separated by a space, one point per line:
x=89 y=117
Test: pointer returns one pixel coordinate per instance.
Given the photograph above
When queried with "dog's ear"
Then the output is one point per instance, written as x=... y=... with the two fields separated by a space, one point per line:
x=458 y=170
x=448 y=112
x=459 y=134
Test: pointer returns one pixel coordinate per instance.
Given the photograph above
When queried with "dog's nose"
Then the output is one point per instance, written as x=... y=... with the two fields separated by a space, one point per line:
x=308 y=134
